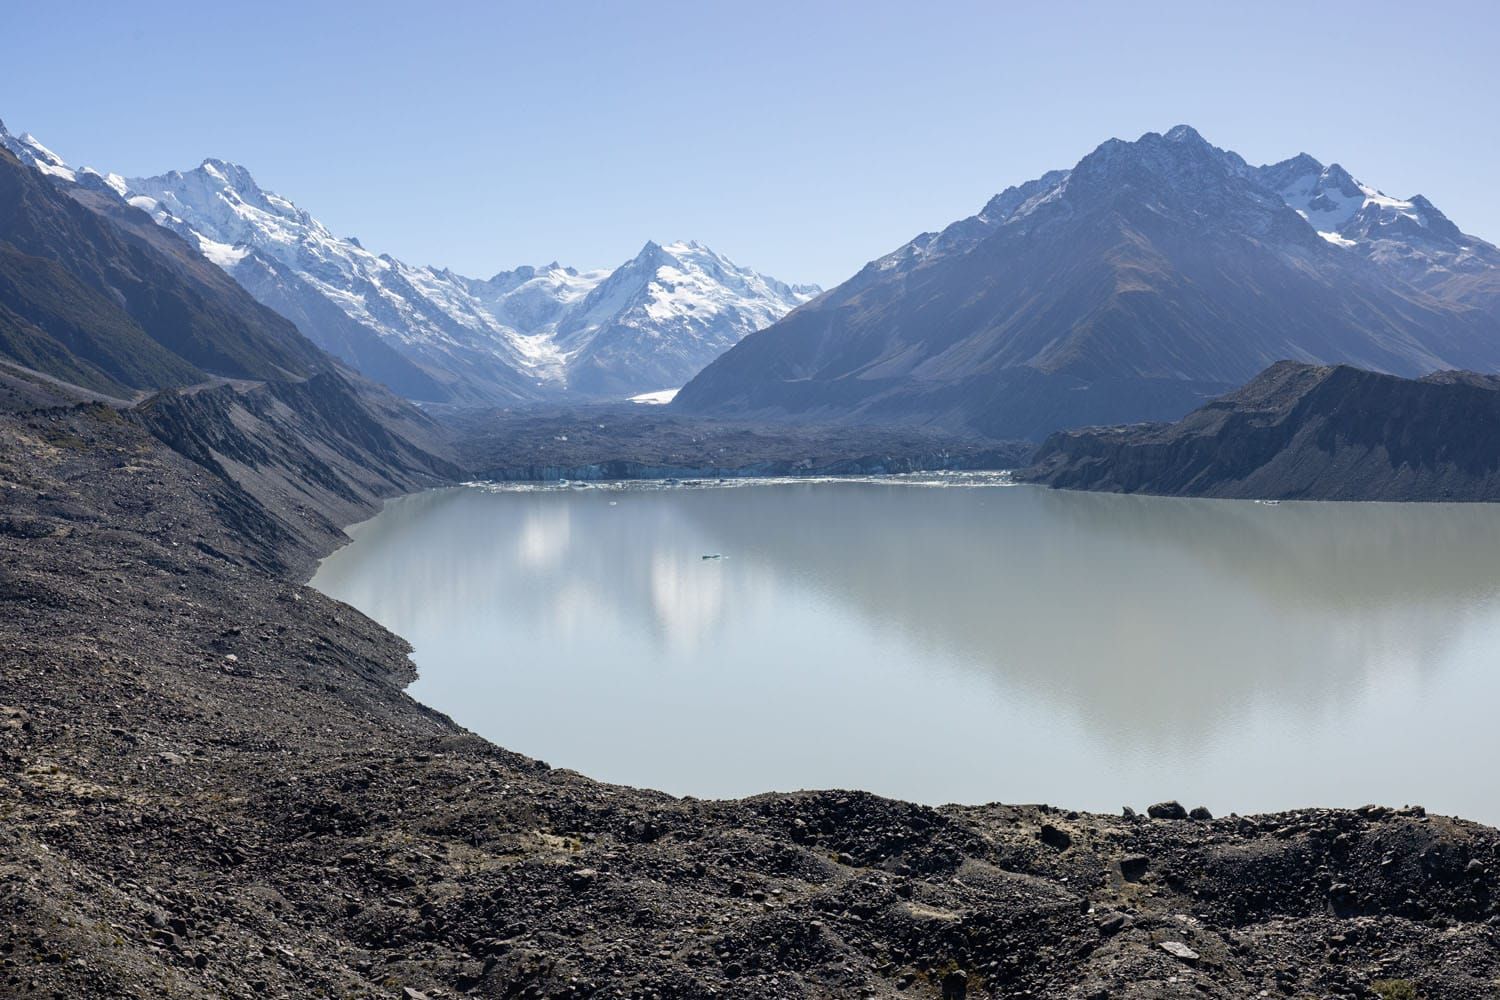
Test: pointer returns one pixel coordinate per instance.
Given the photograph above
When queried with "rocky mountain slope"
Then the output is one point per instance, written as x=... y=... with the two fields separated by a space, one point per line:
x=1150 y=277
x=434 y=335
x=1302 y=432
x=97 y=301
x=90 y=291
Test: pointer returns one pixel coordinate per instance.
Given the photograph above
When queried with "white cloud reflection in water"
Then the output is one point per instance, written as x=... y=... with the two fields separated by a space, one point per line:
x=961 y=644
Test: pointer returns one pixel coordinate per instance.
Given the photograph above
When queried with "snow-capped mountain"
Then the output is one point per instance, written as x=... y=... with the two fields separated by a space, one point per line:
x=1151 y=276
x=431 y=334
x=1410 y=236
x=663 y=315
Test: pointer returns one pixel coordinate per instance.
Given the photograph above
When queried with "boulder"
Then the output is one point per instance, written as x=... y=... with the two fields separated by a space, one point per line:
x=1179 y=950
x=1053 y=837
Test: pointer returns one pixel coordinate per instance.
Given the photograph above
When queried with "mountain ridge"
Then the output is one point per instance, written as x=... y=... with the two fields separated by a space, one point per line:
x=1148 y=278
x=1301 y=432
x=512 y=336
x=437 y=336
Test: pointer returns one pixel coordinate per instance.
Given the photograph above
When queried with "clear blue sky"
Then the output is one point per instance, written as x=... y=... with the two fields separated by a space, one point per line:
x=799 y=138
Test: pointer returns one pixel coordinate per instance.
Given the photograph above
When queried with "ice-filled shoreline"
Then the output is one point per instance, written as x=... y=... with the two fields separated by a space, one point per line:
x=927 y=479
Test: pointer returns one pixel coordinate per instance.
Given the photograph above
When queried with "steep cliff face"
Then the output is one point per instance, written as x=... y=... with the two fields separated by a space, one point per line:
x=1302 y=432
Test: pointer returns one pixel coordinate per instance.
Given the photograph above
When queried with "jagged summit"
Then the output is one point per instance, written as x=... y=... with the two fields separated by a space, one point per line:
x=1411 y=238
x=232 y=174
x=1180 y=163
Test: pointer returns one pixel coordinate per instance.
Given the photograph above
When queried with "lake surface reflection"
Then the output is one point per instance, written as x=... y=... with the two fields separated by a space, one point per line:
x=968 y=643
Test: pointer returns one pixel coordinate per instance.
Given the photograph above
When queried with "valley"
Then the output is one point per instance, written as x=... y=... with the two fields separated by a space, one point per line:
x=308 y=555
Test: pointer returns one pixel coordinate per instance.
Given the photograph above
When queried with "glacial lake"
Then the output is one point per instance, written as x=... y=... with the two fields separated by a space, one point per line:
x=955 y=639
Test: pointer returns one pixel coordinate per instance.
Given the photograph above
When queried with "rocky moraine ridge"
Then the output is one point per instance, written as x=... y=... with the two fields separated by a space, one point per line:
x=635 y=442
x=213 y=786
x=1302 y=432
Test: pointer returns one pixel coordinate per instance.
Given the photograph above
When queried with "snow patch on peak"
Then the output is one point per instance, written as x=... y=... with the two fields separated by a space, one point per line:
x=1330 y=197
x=1411 y=237
x=29 y=150
x=114 y=182
x=1337 y=240
x=667 y=313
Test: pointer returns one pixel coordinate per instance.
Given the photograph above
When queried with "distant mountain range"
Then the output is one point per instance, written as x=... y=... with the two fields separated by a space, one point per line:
x=1150 y=277
x=433 y=335
x=1302 y=432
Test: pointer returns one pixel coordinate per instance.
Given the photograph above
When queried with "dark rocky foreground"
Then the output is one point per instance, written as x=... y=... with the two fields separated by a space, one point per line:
x=1302 y=432
x=211 y=784
x=632 y=441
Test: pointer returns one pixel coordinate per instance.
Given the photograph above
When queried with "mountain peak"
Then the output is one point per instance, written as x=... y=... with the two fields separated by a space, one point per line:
x=1184 y=133
x=1180 y=173
x=1304 y=163
x=229 y=173
x=1336 y=176
x=1301 y=170
x=29 y=150
x=1432 y=218
x=1159 y=235
x=651 y=256
x=1181 y=143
